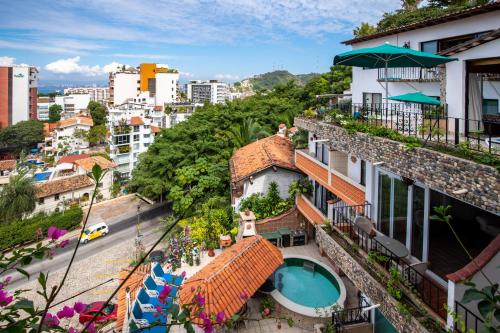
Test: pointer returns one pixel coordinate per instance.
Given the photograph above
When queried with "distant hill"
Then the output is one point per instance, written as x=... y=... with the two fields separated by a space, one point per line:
x=268 y=81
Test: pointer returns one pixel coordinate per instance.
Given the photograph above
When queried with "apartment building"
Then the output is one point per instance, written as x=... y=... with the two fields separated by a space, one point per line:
x=159 y=81
x=18 y=94
x=380 y=196
x=73 y=104
x=42 y=109
x=211 y=91
x=97 y=94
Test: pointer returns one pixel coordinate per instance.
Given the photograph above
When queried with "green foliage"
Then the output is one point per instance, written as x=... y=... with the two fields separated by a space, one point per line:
x=24 y=135
x=268 y=205
x=98 y=112
x=267 y=303
x=246 y=132
x=17 y=198
x=364 y=29
x=300 y=139
x=270 y=80
x=97 y=134
x=55 y=113
x=301 y=186
x=24 y=231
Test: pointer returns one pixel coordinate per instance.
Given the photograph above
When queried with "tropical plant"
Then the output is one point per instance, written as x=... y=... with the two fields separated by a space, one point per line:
x=55 y=113
x=98 y=113
x=300 y=139
x=17 y=198
x=298 y=187
x=268 y=205
x=245 y=132
x=364 y=29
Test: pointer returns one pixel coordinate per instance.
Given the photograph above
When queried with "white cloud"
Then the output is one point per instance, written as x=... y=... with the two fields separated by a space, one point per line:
x=112 y=67
x=58 y=46
x=186 y=74
x=7 y=61
x=72 y=66
x=228 y=77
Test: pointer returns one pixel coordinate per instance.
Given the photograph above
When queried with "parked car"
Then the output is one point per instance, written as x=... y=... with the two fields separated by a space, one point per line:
x=108 y=313
x=94 y=231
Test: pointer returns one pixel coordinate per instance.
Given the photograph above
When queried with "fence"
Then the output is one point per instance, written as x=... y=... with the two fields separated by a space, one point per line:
x=350 y=316
x=409 y=74
x=467 y=320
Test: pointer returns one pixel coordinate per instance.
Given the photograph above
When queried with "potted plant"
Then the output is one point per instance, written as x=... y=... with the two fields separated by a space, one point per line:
x=211 y=245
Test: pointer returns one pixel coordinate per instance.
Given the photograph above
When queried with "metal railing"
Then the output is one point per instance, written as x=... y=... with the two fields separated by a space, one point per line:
x=408 y=74
x=350 y=316
x=466 y=320
x=429 y=291
x=425 y=122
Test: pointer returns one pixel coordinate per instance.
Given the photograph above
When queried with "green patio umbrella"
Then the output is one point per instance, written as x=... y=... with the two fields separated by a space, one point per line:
x=387 y=55
x=417 y=98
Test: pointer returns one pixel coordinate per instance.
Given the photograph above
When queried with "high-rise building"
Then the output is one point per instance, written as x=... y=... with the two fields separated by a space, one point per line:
x=43 y=106
x=211 y=91
x=18 y=94
x=158 y=80
x=97 y=94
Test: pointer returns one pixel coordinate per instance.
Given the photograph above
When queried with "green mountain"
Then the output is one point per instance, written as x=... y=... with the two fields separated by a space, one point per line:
x=268 y=81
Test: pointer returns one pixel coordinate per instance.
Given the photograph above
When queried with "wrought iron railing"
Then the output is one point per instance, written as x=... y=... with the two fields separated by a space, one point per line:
x=408 y=74
x=426 y=122
x=466 y=320
x=429 y=291
x=351 y=316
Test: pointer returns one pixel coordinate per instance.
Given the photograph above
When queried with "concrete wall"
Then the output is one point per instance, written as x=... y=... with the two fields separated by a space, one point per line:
x=50 y=203
x=166 y=88
x=125 y=87
x=20 y=94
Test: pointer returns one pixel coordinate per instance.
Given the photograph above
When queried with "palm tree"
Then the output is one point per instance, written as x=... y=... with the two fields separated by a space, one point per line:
x=364 y=29
x=245 y=133
x=17 y=198
x=410 y=5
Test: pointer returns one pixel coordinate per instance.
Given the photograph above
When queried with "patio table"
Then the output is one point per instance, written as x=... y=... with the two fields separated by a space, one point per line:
x=397 y=248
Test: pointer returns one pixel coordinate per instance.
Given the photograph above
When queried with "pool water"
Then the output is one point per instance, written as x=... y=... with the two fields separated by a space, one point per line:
x=42 y=176
x=313 y=289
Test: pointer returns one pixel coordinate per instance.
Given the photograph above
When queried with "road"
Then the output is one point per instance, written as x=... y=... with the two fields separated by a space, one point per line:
x=119 y=231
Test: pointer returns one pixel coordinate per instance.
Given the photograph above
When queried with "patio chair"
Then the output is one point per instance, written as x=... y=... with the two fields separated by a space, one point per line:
x=415 y=274
x=137 y=316
x=151 y=287
x=178 y=280
x=158 y=274
x=144 y=301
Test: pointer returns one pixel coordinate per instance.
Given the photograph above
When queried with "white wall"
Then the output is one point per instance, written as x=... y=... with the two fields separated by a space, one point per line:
x=354 y=169
x=125 y=87
x=20 y=94
x=166 y=88
x=50 y=204
x=261 y=181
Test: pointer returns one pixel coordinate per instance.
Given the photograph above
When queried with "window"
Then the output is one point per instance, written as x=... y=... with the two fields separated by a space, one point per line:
x=41 y=201
x=322 y=152
x=146 y=145
x=56 y=197
x=372 y=99
x=490 y=106
x=430 y=46
x=136 y=137
x=122 y=139
x=146 y=136
x=136 y=128
x=362 y=177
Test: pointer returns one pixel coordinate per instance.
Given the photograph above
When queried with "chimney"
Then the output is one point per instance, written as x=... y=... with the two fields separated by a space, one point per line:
x=282 y=130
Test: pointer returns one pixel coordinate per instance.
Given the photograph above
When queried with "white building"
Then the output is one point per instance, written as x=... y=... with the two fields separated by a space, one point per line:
x=123 y=85
x=211 y=91
x=69 y=136
x=471 y=36
x=166 y=86
x=18 y=94
x=254 y=166
x=72 y=104
x=42 y=111
x=97 y=94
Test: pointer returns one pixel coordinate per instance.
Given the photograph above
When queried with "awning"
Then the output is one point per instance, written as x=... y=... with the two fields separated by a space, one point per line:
x=417 y=98
x=239 y=270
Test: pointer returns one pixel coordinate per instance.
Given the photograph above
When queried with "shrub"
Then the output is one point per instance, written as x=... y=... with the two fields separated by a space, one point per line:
x=268 y=205
x=25 y=231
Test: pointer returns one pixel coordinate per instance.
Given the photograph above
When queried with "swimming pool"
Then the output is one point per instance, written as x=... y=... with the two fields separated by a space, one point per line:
x=42 y=176
x=308 y=287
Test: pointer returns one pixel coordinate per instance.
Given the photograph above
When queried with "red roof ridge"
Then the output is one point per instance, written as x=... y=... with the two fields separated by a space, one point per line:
x=477 y=263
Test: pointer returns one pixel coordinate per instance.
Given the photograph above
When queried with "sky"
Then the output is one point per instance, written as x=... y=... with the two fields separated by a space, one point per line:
x=81 y=40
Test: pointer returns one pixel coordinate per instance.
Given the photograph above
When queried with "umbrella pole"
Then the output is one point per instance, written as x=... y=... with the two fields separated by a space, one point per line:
x=386 y=89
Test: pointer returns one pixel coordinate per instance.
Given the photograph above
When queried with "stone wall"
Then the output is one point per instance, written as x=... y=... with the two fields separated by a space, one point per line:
x=439 y=171
x=290 y=219
x=366 y=283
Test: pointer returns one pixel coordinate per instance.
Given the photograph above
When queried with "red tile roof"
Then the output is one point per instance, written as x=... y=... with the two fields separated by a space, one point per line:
x=72 y=158
x=155 y=129
x=240 y=269
x=63 y=185
x=7 y=165
x=76 y=120
x=479 y=262
x=157 y=108
x=136 y=121
x=134 y=283
x=89 y=162
x=260 y=155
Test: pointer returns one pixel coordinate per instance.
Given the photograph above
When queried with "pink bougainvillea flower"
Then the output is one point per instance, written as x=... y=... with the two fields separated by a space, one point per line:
x=5 y=298
x=164 y=293
x=202 y=315
x=219 y=318
x=63 y=244
x=192 y=289
x=200 y=300
x=158 y=308
x=55 y=233
x=51 y=320
x=72 y=330
x=66 y=312
x=244 y=295
x=7 y=280
x=91 y=328
x=266 y=312
x=79 y=307
x=207 y=326
x=183 y=274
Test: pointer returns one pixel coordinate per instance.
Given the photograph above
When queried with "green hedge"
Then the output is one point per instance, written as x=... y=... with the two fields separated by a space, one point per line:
x=24 y=231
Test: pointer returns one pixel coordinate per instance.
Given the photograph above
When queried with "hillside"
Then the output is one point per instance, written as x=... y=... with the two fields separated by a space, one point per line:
x=268 y=81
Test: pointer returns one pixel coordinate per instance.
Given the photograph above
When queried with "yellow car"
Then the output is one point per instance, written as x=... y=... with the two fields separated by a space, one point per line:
x=94 y=231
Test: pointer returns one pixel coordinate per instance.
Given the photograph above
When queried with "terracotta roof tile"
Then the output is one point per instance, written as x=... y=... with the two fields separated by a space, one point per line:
x=157 y=108
x=241 y=268
x=136 y=121
x=155 y=129
x=479 y=262
x=260 y=155
x=72 y=158
x=133 y=283
x=89 y=162
x=7 y=165
x=63 y=185
x=76 y=120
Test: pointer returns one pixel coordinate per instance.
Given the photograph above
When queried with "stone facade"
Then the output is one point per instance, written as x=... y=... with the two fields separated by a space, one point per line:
x=366 y=283
x=439 y=171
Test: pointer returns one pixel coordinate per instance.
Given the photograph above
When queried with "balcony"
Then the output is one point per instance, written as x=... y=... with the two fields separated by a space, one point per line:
x=408 y=74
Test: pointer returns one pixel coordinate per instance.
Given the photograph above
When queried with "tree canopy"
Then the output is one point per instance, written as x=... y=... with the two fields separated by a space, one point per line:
x=188 y=163
x=24 y=135
x=17 y=198
x=55 y=113
x=97 y=112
